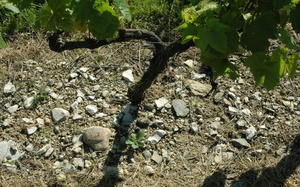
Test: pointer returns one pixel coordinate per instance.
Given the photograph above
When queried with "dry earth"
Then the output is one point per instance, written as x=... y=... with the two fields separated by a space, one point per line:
x=203 y=156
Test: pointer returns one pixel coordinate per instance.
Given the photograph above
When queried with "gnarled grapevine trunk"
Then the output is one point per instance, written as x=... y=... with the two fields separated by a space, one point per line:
x=157 y=65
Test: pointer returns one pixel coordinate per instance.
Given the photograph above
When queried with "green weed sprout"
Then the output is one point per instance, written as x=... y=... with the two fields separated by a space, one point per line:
x=136 y=141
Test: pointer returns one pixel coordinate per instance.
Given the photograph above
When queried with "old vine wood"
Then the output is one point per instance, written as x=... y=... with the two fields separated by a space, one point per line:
x=219 y=28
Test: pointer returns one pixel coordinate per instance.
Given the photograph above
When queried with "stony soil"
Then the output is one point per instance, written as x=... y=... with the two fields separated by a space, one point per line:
x=197 y=150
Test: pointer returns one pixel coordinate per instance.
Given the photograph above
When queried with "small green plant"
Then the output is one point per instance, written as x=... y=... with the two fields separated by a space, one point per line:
x=136 y=141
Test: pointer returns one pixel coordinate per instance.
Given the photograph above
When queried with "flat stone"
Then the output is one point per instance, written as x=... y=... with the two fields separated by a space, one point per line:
x=240 y=143
x=128 y=76
x=158 y=134
x=180 y=108
x=74 y=107
x=246 y=111
x=69 y=167
x=147 y=154
x=26 y=121
x=77 y=141
x=4 y=151
x=59 y=115
x=73 y=75
x=218 y=97
x=31 y=130
x=28 y=102
x=198 y=88
x=100 y=115
x=6 y=122
x=197 y=76
x=218 y=158
x=77 y=117
x=82 y=70
x=97 y=137
x=9 y=88
x=189 y=63
x=44 y=149
x=29 y=147
x=149 y=170
x=241 y=123
x=233 y=109
x=215 y=125
x=204 y=149
x=194 y=127
x=9 y=150
x=49 y=152
x=161 y=102
x=91 y=109
x=78 y=162
x=143 y=122
x=156 y=157
x=250 y=132
x=12 y=109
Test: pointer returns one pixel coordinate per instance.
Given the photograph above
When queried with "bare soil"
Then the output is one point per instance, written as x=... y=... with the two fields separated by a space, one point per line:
x=272 y=160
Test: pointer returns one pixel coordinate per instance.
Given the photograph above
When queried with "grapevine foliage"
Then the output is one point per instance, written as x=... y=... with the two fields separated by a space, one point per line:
x=222 y=28
x=219 y=28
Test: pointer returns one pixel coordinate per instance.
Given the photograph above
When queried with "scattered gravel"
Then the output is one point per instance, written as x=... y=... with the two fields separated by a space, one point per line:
x=70 y=118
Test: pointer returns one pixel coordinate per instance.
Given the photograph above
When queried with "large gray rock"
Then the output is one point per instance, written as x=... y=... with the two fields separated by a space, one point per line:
x=180 y=108
x=198 y=88
x=97 y=137
x=59 y=115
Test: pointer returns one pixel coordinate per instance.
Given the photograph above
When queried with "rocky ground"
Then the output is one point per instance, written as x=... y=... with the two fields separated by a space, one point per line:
x=65 y=121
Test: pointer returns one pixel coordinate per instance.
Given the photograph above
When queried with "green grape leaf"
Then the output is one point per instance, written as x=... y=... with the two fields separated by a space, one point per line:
x=101 y=19
x=55 y=15
x=258 y=31
x=104 y=28
x=233 y=41
x=213 y=34
x=268 y=69
x=2 y=43
x=207 y=5
x=21 y=4
x=219 y=63
x=255 y=63
x=82 y=11
x=295 y=17
x=11 y=7
x=123 y=7
x=287 y=39
x=287 y=64
x=189 y=14
x=140 y=135
x=278 y=4
x=189 y=32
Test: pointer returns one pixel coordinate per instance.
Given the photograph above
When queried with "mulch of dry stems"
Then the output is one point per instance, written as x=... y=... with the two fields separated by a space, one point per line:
x=267 y=170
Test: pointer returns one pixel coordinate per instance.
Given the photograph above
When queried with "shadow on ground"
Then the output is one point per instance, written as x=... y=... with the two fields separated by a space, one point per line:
x=111 y=172
x=274 y=176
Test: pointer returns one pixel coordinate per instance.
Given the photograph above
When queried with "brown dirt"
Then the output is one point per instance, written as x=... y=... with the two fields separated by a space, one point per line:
x=278 y=110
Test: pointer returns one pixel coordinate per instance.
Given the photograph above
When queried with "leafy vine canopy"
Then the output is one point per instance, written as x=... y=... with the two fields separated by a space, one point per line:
x=219 y=28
